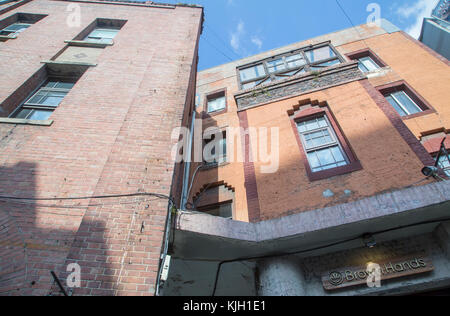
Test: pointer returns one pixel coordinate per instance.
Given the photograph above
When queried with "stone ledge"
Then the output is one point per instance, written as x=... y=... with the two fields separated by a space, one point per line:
x=298 y=85
x=88 y=44
x=4 y=120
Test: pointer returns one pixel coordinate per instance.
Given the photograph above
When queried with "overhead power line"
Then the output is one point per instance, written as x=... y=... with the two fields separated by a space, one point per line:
x=351 y=21
x=222 y=41
x=217 y=49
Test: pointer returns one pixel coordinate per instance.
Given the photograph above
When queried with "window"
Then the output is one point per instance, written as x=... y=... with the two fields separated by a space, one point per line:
x=320 y=54
x=321 y=145
x=402 y=103
x=405 y=100
x=287 y=65
x=224 y=210
x=367 y=60
x=216 y=103
x=216 y=150
x=324 y=149
x=102 y=35
x=14 y=29
x=42 y=103
x=444 y=163
x=366 y=64
x=12 y=26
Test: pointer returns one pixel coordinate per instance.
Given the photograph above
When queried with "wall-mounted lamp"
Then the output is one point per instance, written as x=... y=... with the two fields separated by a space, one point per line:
x=430 y=171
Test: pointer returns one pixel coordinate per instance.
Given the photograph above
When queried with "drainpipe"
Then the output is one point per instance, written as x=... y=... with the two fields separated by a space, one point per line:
x=187 y=165
x=165 y=258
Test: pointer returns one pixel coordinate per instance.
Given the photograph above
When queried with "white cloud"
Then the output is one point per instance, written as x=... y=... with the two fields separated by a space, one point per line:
x=257 y=41
x=236 y=36
x=417 y=11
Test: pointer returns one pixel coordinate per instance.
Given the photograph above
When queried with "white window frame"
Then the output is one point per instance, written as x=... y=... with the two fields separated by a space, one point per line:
x=214 y=98
x=335 y=142
x=90 y=38
x=402 y=106
x=362 y=64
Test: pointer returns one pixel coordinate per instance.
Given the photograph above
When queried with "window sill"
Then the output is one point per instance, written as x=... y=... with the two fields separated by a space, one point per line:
x=4 y=38
x=423 y=113
x=88 y=44
x=326 y=174
x=62 y=63
x=4 y=120
x=378 y=72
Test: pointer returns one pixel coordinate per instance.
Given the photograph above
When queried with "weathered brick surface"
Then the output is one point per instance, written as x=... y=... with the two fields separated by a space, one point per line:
x=386 y=145
x=111 y=135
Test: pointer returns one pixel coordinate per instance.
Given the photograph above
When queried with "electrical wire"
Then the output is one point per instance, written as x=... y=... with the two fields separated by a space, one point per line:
x=351 y=22
x=221 y=40
x=213 y=46
x=317 y=248
x=94 y=197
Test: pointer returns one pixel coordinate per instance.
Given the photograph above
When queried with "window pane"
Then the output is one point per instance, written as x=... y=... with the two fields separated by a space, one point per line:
x=252 y=73
x=369 y=64
x=407 y=103
x=102 y=35
x=249 y=85
x=276 y=65
x=51 y=84
x=52 y=98
x=23 y=113
x=64 y=85
x=314 y=162
x=330 y=158
x=322 y=122
x=37 y=98
x=396 y=106
x=317 y=139
x=362 y=67
x=40 y=115
x=327 y=64
x=217 y=104
x=444 y=163
x=17 y=27
x=295 y=61
x=319 y=54
x=312 y=124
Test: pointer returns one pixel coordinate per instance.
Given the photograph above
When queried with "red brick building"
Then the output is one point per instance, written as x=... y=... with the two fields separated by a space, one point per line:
x=355 y=116
x=90 y=92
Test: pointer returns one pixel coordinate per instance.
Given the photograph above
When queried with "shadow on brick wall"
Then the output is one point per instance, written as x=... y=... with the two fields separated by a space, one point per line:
x=36 y=238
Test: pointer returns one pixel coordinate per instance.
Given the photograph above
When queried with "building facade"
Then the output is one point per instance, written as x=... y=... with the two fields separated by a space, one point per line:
x=319 y=171
x=90 y=94
x=436 y=29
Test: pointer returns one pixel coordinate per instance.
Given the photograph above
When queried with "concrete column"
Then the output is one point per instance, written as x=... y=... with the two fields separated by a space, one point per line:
x=280 y=277
x=442 y=234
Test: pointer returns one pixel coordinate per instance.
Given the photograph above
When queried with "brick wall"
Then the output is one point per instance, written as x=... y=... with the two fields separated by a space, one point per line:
x=386 y=145
x=110 y=135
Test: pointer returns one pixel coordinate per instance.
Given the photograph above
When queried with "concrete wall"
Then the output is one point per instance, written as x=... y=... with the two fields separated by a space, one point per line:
x=110 y=135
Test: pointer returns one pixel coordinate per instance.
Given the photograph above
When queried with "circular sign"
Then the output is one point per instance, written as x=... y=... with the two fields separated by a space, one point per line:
x=336 y=278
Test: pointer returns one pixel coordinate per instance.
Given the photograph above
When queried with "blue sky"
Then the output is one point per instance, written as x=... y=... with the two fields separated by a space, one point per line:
x=235 y=29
